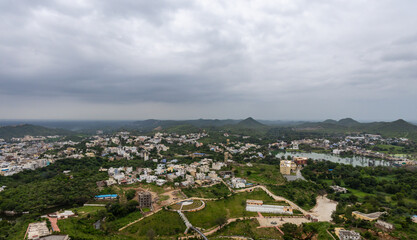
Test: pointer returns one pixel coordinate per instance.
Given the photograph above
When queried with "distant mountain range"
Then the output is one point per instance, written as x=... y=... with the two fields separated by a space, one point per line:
x=398 y=128
x=18 y=131
x=73 y=125
x=197 y=123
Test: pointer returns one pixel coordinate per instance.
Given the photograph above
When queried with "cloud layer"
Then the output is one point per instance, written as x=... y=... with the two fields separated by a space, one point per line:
x=278 y=59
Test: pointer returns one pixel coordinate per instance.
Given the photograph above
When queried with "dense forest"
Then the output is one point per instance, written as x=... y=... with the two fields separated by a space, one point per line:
x=45 y=188
x=370 y=189
x=39 y=190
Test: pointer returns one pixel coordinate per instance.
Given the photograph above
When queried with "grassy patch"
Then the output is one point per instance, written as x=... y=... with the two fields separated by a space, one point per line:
x=230 y=207
x=163 y=198
x=149 y=186
x=163 y=223
x=87 y=209
x=248 y=228
x=154 y=188
x=120 y=222
x=195 y=204
x=321 y=230
x=391 y=149
x=361 y=195
x=82 y=228
x=216 y=191
x=261 y=173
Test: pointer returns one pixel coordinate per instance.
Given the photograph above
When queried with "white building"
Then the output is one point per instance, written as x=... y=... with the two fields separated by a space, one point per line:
x=160 y=182
x=200 y=176
x=238 y=182
x=348 y=235
x=217 y=165
x=37 y=230
x=268 y=208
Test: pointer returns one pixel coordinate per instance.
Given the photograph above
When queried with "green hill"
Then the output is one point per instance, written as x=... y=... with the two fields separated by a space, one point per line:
x=347 y=122
x=250 y=123
x=18 y=131
x=398 y=128
x=151 y=124
x=330 y=121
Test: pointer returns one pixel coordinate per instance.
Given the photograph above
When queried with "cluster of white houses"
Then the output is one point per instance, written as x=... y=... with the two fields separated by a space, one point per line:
x=26 y=153
x=200 y=173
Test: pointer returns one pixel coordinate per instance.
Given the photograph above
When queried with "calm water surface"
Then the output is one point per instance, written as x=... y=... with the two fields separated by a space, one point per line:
x=355 y=161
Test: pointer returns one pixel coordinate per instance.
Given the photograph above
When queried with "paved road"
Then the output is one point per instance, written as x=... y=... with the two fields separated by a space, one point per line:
x=299 y=175
x=189 y=225
x=275 y=197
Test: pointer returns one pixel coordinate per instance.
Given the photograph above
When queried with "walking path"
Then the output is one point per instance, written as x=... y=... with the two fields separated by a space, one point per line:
x=230 y=189
x=236 y=237
x=54 y=224
x=215 y=229
x=140 y=219
x=327 y=230
x=189 y=225
x=279 y=230
x=275 y=197
x=322 y=210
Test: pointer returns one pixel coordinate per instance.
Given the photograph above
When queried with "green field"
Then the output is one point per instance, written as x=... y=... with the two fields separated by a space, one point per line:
x=195 y=204
x=321 y=230
x=389 y=149
x=231 y=207
x=163 y=224
x=216 y=191
x=248 y=228
x=150 y=186
x=359 y=193
x=86 y=209
x=120 y=222
x=82 y=228
x=261 y=174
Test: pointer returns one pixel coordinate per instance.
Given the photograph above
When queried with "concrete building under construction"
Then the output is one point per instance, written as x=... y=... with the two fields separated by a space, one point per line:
x=145 y=199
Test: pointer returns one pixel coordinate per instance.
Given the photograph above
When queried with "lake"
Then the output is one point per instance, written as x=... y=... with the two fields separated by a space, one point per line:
x=355 y=160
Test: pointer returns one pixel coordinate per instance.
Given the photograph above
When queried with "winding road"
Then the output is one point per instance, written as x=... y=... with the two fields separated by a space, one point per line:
x=322 y=210
x=275 y=197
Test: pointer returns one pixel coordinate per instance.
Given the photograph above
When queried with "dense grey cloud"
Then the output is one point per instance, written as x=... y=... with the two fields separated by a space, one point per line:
x=276 y=59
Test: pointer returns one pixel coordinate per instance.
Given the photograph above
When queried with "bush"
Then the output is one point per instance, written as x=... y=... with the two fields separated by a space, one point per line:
x=130 y=194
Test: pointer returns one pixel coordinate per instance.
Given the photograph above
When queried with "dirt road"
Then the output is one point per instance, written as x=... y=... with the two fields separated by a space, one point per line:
x=324 y=209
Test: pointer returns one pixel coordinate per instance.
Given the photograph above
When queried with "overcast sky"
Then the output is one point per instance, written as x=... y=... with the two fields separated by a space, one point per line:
x=140 y=59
